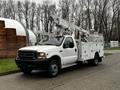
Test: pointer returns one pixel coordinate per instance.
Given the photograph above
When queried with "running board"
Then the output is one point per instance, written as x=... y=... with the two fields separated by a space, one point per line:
x=68 y=65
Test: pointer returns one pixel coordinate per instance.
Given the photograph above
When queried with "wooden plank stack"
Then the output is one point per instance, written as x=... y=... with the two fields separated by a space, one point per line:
x=2 y=39
x=21 y=41
x=11 y=38
x=9 y=42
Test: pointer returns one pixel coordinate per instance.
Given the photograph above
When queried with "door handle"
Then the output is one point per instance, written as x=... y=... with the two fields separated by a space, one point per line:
x=61 y=51
x=75 y=50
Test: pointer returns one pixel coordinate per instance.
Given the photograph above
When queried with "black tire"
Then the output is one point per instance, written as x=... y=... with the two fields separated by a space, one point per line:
x=79 y=64
x=53 y=68
x=26 y=71
x=94 y=61
x=100 y=59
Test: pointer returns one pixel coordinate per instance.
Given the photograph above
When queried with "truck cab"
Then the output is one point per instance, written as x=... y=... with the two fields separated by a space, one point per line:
x=51 y=54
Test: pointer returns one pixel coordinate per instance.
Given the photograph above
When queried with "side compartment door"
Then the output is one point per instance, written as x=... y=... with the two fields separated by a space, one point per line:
x=69 y=54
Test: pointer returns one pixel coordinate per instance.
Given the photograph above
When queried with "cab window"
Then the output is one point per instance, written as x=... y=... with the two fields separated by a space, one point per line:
x=69 y=43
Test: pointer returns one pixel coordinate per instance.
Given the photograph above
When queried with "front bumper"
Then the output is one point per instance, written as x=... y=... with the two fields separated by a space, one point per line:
x=33 y=64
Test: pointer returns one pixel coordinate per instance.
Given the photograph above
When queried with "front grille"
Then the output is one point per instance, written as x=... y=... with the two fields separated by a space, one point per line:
x=27 y=55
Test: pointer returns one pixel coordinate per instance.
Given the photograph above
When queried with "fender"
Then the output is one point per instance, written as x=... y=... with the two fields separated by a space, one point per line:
x=51 y=54
x=56 y=54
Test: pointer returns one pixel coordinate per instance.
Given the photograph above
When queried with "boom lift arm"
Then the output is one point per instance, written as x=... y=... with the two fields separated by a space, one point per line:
x=65 y=24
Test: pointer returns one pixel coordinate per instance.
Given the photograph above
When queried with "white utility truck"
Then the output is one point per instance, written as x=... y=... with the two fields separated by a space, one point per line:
x=69 y=46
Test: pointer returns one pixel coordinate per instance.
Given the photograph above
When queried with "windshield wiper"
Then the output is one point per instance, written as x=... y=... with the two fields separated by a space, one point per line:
x=51 y=44
x=40 y=44
x=48 y=44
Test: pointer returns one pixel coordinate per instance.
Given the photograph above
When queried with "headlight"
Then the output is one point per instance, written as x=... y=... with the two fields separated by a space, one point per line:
x=41 y=55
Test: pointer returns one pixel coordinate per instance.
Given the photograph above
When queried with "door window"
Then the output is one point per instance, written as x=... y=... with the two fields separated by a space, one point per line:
x=68 y=43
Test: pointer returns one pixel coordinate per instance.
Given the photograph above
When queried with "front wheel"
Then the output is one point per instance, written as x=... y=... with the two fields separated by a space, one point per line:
x=53 y=68
x=26 y=70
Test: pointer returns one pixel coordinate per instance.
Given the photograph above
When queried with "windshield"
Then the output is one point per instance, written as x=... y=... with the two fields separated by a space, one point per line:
x=57 y=41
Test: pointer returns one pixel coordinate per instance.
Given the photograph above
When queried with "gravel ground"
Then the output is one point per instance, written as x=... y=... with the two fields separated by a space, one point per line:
x=105 y=76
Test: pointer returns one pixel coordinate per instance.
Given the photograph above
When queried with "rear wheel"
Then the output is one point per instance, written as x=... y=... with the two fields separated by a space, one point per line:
x=94 y=61
x=53 y=68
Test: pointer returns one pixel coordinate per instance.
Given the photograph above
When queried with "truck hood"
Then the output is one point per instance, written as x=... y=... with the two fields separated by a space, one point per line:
x=40 y=48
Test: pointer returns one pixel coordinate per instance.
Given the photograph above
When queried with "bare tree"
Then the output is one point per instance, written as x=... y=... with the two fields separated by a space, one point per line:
x=1 y=7
x=19 y=11
x=114 y=11
x=25 y=11
x=102 y=15
x=32 y=16
x=38 y=18
x=88 y=14
x=81 y=15
x=65 y=8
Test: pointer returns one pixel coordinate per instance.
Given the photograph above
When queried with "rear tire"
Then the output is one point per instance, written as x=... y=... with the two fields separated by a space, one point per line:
x=53 y=68
x=95 y=61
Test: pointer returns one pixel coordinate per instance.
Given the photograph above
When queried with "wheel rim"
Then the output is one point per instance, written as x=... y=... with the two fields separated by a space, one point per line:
x=96 y=61
x=54 y=69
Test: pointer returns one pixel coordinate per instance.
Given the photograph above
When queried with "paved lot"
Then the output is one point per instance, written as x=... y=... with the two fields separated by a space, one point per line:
x=105 y=76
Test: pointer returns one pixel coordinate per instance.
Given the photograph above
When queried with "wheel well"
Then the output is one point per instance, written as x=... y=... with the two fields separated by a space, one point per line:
x=97 y=54
x=57 y=58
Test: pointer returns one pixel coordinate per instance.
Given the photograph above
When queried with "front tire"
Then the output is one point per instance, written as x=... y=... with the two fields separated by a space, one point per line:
x=26 y=71
x=53 y=68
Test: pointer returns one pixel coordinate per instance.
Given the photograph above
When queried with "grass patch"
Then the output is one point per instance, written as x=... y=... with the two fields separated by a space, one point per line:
x=107 y=54
x=7 y=65
x=112 y=48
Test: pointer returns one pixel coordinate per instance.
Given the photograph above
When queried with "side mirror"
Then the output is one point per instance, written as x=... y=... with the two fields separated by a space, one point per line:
x=35 y=43
x=65 y=46
x=71 y=45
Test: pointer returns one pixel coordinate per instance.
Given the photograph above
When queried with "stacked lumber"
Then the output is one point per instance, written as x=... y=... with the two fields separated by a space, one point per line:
x=11 y=42
x=21 y=41
x=2 y=39
x=11 y=38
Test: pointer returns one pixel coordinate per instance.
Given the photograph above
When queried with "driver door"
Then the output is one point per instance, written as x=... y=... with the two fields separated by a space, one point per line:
x=69 y=53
